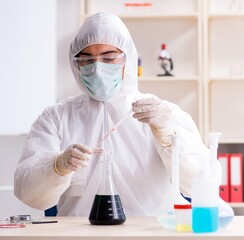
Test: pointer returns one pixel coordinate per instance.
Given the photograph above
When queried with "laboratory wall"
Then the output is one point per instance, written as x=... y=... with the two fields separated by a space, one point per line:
x=35 y=73
x=28 y=62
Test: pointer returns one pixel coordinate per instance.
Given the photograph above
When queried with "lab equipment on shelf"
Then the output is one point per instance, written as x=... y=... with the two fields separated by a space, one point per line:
x=165 y=61
x=139 y=67
x=137 y=7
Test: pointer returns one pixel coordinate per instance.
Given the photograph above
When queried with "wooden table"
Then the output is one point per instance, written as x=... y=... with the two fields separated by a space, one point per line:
x=141 y=228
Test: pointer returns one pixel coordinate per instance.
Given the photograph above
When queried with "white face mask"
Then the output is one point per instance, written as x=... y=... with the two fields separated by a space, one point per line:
x=101 y=80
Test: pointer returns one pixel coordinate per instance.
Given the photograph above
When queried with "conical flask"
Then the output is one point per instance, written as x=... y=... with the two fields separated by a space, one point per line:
x=107 y=207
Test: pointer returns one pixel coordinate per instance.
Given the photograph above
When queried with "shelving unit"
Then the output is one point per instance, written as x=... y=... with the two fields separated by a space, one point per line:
x=224 y=69
x=206 y=40
x=163 y=23
x=204 y=69
x=223 y=76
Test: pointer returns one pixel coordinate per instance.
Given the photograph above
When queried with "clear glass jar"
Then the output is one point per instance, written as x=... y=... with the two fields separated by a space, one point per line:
x=183 y=214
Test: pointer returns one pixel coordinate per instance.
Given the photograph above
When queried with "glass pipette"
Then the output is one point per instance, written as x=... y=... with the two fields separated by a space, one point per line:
x=115 y=127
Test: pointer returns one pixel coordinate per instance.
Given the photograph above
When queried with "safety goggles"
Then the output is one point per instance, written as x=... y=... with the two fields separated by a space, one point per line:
x=111 y=58
x=100 y=68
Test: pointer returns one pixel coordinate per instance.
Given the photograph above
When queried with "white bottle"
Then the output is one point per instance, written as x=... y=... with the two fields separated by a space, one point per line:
x=226 y=213
x=205 y=196
x=215 y=166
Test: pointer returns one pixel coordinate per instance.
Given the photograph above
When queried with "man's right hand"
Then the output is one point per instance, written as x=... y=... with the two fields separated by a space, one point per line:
x=73 y=158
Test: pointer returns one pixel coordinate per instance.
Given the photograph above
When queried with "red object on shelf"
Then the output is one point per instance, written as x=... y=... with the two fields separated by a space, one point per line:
x=236 y=174
x=163 y=46
x=138 y=4
x=224 y=189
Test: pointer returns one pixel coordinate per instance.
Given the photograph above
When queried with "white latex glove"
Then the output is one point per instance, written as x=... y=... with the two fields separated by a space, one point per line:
x=73 y=158
x=157 y=114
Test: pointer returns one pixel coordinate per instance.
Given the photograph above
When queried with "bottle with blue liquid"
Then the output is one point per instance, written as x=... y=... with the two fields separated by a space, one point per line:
x=205 y=211
x=209 y=211
x=205 y=199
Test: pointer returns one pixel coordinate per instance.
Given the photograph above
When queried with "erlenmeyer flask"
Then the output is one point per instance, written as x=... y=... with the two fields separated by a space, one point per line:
x=107 y=207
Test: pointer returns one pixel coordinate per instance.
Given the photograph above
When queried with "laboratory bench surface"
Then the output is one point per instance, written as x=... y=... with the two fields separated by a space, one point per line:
x=143 y=228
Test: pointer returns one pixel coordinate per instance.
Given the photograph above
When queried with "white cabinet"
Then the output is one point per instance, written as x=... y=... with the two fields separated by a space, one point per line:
x=224 y=68
x=152 y=23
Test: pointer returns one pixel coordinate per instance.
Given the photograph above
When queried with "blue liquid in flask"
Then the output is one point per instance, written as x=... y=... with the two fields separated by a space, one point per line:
x=205 y=219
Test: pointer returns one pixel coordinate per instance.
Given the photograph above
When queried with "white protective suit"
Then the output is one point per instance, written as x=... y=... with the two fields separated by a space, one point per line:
x=142 y=166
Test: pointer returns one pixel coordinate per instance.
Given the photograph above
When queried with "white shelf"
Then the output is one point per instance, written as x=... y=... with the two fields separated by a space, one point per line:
x=213 y=16
x=165 y=16
x=158 y=7
x=146 y=17
x=232 y=141
x=237 y=205
x=169 y=79
x=225 y=78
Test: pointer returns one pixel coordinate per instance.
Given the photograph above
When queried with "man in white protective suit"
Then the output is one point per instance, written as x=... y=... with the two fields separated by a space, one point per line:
x=59 y=165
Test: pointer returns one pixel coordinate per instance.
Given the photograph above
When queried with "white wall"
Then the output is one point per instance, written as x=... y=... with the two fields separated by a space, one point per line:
x=28 y=62
x=33 y=32
x=67 y=27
